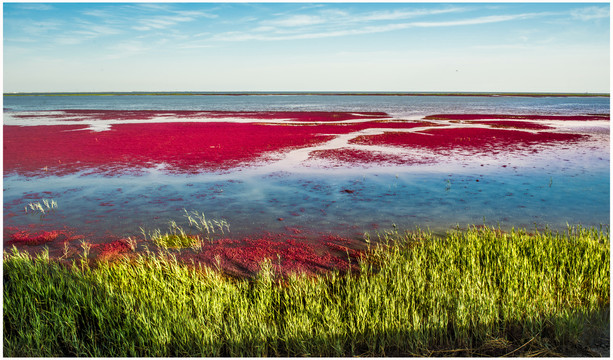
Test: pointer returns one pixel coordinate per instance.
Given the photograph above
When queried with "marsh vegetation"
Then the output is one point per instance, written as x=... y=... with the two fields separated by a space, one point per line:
x=475 y=292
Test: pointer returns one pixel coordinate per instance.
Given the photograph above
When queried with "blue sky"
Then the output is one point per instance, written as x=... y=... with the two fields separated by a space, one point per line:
x=559 y=47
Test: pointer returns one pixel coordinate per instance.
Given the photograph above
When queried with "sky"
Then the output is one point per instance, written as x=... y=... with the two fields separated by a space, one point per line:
x=492 y=47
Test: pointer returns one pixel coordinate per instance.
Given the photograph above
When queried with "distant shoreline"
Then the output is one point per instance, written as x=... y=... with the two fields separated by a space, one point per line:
x=310 y=93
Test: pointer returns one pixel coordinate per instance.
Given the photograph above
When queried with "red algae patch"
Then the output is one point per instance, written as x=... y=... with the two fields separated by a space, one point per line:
x=243 y=258
x=29 y=238
x=513 y=125
x=352 y=157
x=517 y=117
x=287 y=254
x=112 y=249
x=477 y=140
x=182 y=147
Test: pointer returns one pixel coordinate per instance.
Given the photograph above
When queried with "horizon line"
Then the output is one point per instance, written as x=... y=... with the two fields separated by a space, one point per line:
x=337 y=93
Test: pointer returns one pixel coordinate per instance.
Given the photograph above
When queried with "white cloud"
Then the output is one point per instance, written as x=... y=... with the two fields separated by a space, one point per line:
x=196 y=14
x=167 y=21
x=35 y=6
x=98 y=13
x=152 y=7
x=99 y=30
x=161 y=22
x=145 y=20
x=296 y=20
x=590 y=13
x=339 y=17
x=479 y=20
x=276 y=35
x=400 y=14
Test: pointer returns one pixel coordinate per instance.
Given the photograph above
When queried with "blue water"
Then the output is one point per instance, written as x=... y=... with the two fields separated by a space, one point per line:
x=563 y=188
x=390 y=104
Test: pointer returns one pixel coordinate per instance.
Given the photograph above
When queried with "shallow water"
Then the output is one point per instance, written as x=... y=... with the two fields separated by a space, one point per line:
x=554 y=186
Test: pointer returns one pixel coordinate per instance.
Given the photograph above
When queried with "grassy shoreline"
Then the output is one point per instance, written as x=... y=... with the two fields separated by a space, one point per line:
x=470 y=293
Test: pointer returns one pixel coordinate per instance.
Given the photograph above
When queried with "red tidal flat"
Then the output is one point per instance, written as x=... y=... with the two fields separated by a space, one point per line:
x=474 y=139
x=516 y=117
x=183 y=147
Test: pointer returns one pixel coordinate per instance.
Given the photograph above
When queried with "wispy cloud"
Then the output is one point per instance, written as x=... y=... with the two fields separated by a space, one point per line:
x=156 y=7
x=83 y=30
x=98 y=13
x=340 y=17
x=93 y=30
x=479 y=20
x=165 y=21
x=274 y=34
x=148 y=16
x=403 y=14
x=160 y=22
x=296 y=20
x=197 y=14
x=35 y=6
x=591 y=13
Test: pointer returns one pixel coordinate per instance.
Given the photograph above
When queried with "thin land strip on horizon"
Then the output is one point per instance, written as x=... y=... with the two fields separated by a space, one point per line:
x=319 y=93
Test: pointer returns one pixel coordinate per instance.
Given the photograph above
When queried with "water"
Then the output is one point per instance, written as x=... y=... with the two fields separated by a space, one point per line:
x=553 y=187
x=395 y=105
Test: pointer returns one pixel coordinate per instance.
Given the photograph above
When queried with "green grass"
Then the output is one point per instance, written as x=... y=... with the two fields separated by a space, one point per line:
x=472 y=292
x=177 y=237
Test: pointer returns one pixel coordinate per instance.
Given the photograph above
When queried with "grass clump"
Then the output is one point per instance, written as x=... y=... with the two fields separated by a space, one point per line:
x=206 y=227
x=177 y=237
x=475 y=292
x=41 y=208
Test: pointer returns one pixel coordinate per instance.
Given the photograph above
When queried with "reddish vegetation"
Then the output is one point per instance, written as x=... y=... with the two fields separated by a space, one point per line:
x=516 y=117
x=356 y=157
x=29 y=238
x=184 y=147
x=287 y=254
x=473 y=139
x=514 y=124
x=113 y=248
